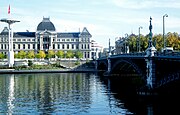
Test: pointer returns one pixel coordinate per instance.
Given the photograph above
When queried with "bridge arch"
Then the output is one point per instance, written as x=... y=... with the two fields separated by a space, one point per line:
x=102 y=66
x=127 y=66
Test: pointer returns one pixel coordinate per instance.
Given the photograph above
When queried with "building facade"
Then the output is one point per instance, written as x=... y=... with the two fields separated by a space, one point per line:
x=96 y=49
x=46 y=38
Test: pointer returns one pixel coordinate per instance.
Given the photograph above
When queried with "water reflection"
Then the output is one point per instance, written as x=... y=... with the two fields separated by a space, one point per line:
x=65 y=93
x=76 y=93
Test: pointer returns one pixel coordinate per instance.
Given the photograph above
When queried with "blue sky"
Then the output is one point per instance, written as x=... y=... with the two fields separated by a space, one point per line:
x=103 y=18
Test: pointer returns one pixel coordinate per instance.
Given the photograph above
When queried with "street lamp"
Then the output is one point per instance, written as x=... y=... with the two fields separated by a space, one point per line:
x=125 y=47
x=10 y=36
x=164 y=30
x=139 y=39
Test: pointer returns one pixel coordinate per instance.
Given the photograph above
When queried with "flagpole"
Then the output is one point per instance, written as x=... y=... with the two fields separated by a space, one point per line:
x=10 y=35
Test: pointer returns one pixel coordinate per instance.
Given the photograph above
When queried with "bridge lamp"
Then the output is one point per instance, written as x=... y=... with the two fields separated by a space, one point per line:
x=164 y=30
x=138 y=47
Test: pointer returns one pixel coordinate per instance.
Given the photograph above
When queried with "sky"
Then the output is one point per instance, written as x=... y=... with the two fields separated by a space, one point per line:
x=104 y=19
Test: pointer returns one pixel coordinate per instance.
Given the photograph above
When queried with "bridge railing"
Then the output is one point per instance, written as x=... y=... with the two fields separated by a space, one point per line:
x=167 y=53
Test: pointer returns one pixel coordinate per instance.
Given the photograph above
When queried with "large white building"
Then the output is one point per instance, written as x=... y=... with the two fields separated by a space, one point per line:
x=47 y=38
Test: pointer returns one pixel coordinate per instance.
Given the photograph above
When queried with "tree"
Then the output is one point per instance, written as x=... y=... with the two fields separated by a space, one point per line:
x=30 y=54
x=22 y=54
x=41 y=54
x=60 y=54
x=69 y=54
x=132 y=43
x=50 y=54
x=78 y=54
x=2 y=56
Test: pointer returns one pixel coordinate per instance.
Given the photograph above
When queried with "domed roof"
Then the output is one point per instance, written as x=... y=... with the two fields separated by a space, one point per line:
x=46 y=24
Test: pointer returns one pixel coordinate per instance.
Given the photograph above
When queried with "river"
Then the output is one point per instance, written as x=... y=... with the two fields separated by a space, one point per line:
x=71 y=94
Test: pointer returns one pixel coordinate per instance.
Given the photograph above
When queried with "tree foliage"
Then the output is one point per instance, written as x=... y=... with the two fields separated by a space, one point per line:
x=172 y=40
x=50 y=54
x=69 y=54
x=41 y=54
x=30 y=54
x=78 y=54
x=60 y=54
x=2 y=56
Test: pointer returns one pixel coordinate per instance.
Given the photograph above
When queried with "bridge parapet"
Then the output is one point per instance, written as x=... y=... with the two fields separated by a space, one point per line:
x=167 y=53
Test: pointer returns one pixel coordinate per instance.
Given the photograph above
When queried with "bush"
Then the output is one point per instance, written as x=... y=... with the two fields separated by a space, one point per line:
x=30 y=63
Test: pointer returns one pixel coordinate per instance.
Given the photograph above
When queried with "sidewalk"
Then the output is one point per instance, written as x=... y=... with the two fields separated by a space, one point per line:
x=13 y=71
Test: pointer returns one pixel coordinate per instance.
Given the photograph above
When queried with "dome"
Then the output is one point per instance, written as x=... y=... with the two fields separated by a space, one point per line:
x=46 y=24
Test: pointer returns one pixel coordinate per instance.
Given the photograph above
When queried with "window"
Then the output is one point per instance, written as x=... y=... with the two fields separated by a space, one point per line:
x=14 y=46
x=53 y=46
x=67 y=40
x=72 y=40
x=29 y=40
x=72 y=46
x=58 y=46
x=63 y=46
x=28 y=46
x=19 y=40
x=24 y=46
x=67 y=46
x=5 y=46
x=88 y=55
x=19 y=47
x=85 y=46
x=1 y=46
x=82 y=46
x=24 y=40
x=33 y=46
x=63 y=40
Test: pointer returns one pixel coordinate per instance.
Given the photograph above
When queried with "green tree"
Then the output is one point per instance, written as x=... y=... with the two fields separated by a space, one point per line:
x=50 y=54
x=69 y=54
x=158 y=41
x=22 y=54
x=60 y=54
x=2 y=56
x=41 y=54
x=132 y=43
x=78 y=54
x=30 y=54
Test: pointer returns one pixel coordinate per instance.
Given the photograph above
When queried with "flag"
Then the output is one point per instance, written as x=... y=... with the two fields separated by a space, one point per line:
x=9 y=10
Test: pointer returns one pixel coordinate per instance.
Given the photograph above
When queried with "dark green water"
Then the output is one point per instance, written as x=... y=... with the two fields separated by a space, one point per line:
x=69 y=94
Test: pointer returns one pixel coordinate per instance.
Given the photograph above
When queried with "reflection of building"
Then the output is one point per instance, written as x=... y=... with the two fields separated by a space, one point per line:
x=96 y=49
x=46 y=38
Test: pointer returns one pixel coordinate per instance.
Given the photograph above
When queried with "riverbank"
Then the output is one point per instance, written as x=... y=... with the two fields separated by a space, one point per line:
x=13 y=71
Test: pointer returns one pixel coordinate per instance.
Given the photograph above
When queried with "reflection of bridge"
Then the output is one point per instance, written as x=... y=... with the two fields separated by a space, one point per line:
x=155 y=69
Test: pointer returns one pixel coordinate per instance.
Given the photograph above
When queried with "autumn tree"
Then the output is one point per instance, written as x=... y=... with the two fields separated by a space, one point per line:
x=30 y=54
x=41 y=54
x=50 y=54
x=60 y=54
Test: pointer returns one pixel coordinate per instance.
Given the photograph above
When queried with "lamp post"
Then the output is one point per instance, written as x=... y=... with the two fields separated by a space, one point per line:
x=125 y=47
x=10 y=52
x=164 y=30
x=139 y=39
